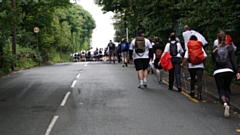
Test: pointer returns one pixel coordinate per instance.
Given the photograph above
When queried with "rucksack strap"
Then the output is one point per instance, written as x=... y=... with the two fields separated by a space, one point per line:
x=146 y=49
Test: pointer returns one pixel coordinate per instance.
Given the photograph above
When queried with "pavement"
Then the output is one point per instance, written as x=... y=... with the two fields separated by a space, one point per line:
x=209 y=89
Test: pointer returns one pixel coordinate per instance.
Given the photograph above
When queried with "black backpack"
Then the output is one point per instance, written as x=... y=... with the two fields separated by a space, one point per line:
x=173 y=49
x=221 y=56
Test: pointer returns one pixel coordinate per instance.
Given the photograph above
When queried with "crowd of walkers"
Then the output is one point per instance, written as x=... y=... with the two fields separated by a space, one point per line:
x=152 y=56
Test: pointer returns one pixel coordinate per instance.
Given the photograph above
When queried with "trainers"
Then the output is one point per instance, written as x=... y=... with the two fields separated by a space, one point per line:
x=140 y=87
x=160 y=81
x=126 y=64
x=145 y=84
x=123 y=66
x=179 y=90
x=192 y=94
x=199 y=97
x=226 y=111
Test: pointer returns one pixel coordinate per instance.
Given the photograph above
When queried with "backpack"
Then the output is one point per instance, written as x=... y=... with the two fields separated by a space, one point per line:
x=222 y=56
x=140 y=45
x=173 y=49
x=195 y=52
x=124 y=47
x=110 y=46
x=228 y=40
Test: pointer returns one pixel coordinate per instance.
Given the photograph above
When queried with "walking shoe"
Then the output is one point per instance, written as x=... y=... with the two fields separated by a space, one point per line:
x=179 y=90
x=145 y=84
x=199 y=97
x=192 y=94
x=140 y=87
x=123 y=66
x=226 y=111
x=160 y=81
x=126 y=64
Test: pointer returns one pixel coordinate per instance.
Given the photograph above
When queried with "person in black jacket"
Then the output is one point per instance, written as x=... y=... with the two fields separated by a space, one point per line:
x=224 y=70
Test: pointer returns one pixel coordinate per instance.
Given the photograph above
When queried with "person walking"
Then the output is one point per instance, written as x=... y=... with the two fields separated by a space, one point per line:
x=187 y=34
x=118 y=53
x=124 y=52
x=196 y=56
x=228 y=41
x=111 y=49
x=100 y=54
x=225 y=66
x=141 y=48
x=151 y=63
x=176 y=51
x=158 y=49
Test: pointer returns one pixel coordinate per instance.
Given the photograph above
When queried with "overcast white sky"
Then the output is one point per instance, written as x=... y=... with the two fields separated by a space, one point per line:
x=104 y=29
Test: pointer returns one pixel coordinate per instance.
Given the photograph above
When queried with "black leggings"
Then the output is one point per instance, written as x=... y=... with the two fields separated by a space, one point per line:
x=193 y=73
x=223 y=82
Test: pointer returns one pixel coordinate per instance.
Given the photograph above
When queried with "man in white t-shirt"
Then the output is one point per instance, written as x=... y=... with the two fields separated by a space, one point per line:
x=188 y=33
x=141 y=60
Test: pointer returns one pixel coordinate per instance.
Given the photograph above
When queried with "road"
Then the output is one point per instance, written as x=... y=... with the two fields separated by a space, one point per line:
x=98 y=98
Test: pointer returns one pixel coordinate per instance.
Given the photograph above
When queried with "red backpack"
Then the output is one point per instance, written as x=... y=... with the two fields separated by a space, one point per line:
x=195 y=52
x=228 y=40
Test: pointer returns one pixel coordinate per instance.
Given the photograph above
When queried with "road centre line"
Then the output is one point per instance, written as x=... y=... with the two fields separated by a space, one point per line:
x=78 y=75
x=51 y=125
x=86 y=64
x=65 y=99
x=73 y=84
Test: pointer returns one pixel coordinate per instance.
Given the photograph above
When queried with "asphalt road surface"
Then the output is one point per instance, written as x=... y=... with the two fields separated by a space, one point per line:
x=98 y=98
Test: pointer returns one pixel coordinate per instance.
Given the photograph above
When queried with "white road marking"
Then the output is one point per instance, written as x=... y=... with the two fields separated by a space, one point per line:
x=54 y=120
x=86 y=64
x=73 y=84
x=65 y=99
x=78 y=75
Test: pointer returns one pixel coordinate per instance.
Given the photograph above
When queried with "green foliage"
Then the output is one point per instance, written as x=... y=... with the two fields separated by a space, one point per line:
x=64 y=27
x=165 y=16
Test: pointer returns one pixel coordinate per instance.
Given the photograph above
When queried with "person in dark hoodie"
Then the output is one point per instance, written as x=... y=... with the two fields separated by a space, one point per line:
x=225 y=66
